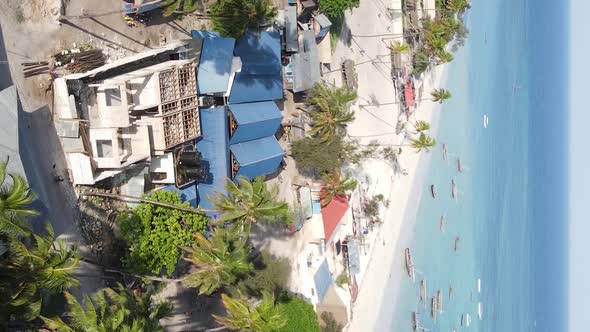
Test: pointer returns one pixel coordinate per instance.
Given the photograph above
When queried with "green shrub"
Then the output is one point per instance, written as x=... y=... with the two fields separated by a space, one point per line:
x=299 y=314
x=342 y=279
x=271 y=275
x=155 y=233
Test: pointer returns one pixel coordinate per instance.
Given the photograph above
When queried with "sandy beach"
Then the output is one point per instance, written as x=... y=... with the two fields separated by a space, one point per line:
x=379 y=288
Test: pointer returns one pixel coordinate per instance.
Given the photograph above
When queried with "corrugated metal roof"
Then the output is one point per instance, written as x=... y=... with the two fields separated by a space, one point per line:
x=215 y=152
x=323 y=21
x=215 y=64
x=261 y=76
x=291 y=37
x=322 y=280
x=306 y=65
x=255 y=120
x=258 y=157
x=9 y=138
x=253 y=88
x=332 y=214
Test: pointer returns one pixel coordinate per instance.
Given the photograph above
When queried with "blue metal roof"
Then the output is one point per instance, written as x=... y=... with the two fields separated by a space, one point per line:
x=255 y=120
x=258 y=157
x=215 y=152
x=322 y=280
x=203 y=34
x=260 y=78
x=252 y=88
x=215 y=64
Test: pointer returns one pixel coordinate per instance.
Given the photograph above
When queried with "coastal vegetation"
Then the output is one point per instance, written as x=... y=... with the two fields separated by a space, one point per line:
x=154 y=234
x=336 y=184
x=330 y=110
x=249 y=202
x=270 y=274
x=232 y=18
x=116 y=310
x=336 y=8
x=299 y=314
x=15 y=198
x=440 y=95
x=423 y=142
x=316 y=158
x=266 y=316
x=178 y=6
x=219 y=260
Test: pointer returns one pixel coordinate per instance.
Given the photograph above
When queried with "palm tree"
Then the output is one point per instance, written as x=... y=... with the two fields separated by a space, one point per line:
x=250 y=201
x=440 y=95
x=330 y=110
x=220 y=260
x=334 y=185
x=399 y=48
x=30 y=271
x=265 y=317
x=232 y=18
x=457 y=6
x=109 y=310
x=444 y=57
x=14 y=199
x=421 y=126
x=423 y=142
x=178 y=6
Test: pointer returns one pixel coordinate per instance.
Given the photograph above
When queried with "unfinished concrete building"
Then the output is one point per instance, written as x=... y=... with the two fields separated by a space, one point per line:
x=136 y=109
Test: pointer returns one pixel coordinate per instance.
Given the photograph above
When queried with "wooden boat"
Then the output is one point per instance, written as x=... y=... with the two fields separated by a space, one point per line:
x=423 y=292
x=432 y=191
x=439 y=301
x=459 y=167
x=456 y=244
x=453 y=188
x=414 y=321
x=442 y=223
x=433 y=308
x=444 y=152
x=409 y=263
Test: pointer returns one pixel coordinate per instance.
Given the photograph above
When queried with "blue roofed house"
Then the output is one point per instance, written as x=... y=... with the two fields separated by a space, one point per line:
x=253 y=120
x=257 y=157
x=215 y=66
x=260 y=78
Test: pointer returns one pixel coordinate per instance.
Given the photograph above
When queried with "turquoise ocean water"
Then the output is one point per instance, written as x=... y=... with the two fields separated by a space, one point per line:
x=510 y=210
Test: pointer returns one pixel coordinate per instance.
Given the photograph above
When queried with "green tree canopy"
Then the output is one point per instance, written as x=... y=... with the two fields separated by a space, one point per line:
x=336 y=8
x=111 y=310
x=330 y=110
x=30 y=271
x=334 y=184
x=154 y=234
x=299 y=314
x=264 y=317
x=178 y=6
x=316 y=158
x=440 y=95
x=270 y=274
x=232 y=18
x=15 y=198
x=423 y=142
x=219 y=261
x=250 y=201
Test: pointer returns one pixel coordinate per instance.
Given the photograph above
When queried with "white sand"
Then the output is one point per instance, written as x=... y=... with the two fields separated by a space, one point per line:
x=380 y=286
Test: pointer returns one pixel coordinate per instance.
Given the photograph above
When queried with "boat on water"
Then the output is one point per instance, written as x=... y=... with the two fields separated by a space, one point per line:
x=450 y=292
x=480 y=310
x=432 y=191
x=465 y=320
x=442 y=223
x=433 y=310
x=485 y=120
x=459 y=166
x=457 y=243
x=409 y=263
x=444 y=152
x=439 y=301
x=453 y=188
x=423 y=291
x=478 y=285
x=414 y=321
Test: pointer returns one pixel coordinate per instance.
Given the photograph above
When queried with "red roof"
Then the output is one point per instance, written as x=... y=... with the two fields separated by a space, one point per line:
x=332 y=214
x=409 y=92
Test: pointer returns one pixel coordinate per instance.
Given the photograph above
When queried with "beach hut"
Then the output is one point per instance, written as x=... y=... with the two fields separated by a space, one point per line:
x=257 y=157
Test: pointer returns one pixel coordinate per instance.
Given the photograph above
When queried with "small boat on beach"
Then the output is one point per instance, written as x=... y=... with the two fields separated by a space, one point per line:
x=459 y=166
x=480 y=310
x=453 y=189
x=442 y=223
x=432 y=191
x=409 y=263
x=444 y=152
x=457 y=243
x=423 y=292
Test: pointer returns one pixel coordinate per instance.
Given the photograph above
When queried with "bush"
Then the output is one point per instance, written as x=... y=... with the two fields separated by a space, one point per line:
x=336 y=8
x=421 y=61
x=271 y=275
x=154 y=234
x=342 y=279
x=316 y=158
x=299 y=314
x=329 y=323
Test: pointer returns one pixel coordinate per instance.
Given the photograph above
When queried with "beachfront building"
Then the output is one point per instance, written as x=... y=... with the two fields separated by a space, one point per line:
x=131 y=111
